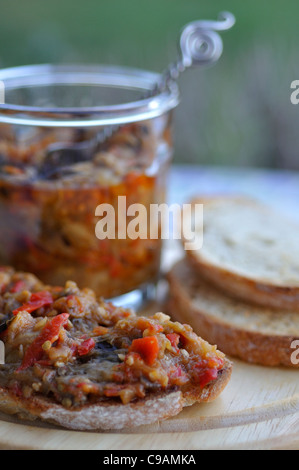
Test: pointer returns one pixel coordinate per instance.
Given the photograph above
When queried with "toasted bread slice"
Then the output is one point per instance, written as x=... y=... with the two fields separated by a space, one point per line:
x=250 y=251
x=83 y=363
x=112 y=415
x=255 y=334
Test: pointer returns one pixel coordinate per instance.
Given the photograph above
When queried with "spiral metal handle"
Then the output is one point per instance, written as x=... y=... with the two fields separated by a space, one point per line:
x=200 y=44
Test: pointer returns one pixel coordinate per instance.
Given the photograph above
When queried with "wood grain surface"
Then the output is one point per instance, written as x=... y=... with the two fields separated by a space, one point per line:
x=259 y=409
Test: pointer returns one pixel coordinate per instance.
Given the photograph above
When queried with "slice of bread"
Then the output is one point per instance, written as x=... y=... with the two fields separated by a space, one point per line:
x=255 y=334
x=249 y=250
x=112 y=415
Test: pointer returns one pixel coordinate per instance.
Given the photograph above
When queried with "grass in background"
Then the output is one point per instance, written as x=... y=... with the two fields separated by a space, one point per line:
x=236 y=113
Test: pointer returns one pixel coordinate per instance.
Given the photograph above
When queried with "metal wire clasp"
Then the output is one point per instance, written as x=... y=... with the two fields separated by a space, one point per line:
x=200 y=44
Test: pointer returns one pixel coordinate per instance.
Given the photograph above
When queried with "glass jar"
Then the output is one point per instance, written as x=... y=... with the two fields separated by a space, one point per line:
x=73 y=138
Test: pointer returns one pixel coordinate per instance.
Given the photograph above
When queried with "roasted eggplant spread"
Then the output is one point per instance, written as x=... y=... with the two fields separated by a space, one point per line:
x=67 y=345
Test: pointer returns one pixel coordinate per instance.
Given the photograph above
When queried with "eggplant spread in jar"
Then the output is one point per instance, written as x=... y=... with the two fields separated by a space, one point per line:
x=48 y=204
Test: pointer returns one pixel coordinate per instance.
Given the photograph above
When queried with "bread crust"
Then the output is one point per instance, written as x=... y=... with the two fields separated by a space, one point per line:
x=256 y=291
x=251 y=346
x=112 y=415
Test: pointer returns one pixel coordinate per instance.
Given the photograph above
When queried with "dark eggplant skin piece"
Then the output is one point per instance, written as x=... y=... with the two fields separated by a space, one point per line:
x=105 y=351
x=4 y=324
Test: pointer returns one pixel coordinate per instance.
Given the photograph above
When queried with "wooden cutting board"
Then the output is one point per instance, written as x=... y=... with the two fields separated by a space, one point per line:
x=259 y=409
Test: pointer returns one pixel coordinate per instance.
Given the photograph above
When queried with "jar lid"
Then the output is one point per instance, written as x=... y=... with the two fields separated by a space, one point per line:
x=81 y=95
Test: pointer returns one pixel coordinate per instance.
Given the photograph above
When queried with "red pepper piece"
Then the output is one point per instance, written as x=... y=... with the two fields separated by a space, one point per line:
x=18 y=287
x=50 y=333
x=37 y=300
x=86 y=347
x=147 y=347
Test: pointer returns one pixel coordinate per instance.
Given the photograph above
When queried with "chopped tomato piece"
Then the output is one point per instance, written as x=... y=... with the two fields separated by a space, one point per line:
x=37 y=300
x=177 y=376
x=213 y=362
x=86 y=347
x=207 y=376
x=147 y=347
x=207 y=370
x=174 y=340
x=50 y=333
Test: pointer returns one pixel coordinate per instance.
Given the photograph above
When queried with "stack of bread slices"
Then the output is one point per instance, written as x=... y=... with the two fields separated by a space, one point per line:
x=241 y=289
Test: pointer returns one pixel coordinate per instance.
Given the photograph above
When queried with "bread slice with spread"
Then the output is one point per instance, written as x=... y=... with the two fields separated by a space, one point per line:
x=85 y=364
x=252 y=333
x=250 y=251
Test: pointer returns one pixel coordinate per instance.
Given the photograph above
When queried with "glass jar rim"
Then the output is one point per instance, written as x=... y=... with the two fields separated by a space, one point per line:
x=120 y=77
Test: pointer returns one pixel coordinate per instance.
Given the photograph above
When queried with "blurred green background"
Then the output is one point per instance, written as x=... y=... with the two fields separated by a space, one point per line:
x=235 y=113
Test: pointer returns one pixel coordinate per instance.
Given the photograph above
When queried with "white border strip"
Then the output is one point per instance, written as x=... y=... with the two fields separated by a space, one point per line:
x=2 y=92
